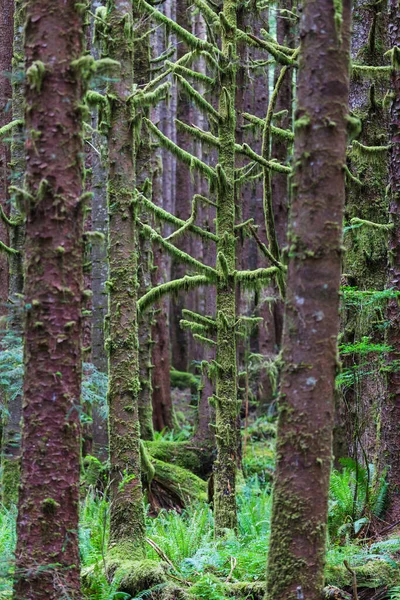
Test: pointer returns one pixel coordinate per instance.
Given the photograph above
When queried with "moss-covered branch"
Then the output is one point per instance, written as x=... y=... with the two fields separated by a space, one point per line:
x=251 y=278
x=385 y=227
x=179 y=254
x=197 y=98
x=286 y=134
x=268 y=164
x=166 y=216
x=9 y=127
x=186 y=283
x=181 y=154
x=191 y=40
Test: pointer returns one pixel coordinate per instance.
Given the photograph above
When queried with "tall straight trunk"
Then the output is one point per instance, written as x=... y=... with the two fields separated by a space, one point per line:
x=161 y=356
x=144 y=174
x=391 y=408
x=99 y=263
x=11 y=438
x=47 y=555
x=184 y=191
x=304 y=440
x=365 y=259
x=127 y=526
x=6 y=36
x=226 y=384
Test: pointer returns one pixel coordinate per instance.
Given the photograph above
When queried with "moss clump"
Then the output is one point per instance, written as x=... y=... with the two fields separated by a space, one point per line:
x=136 y=576
x=184 y=381
x=179 y=484
x=95 y=472
x=373 y=574
x=199 y=462
x=9 y=481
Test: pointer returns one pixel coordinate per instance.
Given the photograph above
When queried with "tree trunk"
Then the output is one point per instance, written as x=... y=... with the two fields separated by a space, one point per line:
x=47 y=555
x=11 y=439
x=6 y=36
x=127 y=527
x=226 y=384
x=391 y=408
x=304 y=440
x=144 y=174
x=179 y=337
x=99 y=261
x=365 y=259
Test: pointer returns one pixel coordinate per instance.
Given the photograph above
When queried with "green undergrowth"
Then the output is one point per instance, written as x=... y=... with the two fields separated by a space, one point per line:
x=198 y=566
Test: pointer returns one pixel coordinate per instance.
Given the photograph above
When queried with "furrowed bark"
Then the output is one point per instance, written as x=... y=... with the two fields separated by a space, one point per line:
x=306 y=408
x=127 y=527
x=226 y=385
x=391 y=408
x=47 y=556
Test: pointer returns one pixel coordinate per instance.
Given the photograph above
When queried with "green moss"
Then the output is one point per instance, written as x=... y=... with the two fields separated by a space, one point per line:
x=49 y=506
x=183 y=483
x=372 y=574
x=10 y=481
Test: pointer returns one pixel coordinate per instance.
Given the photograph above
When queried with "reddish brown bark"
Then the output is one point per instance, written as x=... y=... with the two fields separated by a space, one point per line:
x=183 y=195
x=47 y=557
x=6 y=37
x=304 y=441
x=391 y=408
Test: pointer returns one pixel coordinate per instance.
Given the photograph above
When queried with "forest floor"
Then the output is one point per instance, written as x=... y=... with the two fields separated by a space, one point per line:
x=197 y=566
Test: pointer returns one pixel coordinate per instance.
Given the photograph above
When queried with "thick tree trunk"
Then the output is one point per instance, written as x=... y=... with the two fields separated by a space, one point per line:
x=47 y=555
x=391 y=408
x=127 y=527
x=304 y=441
x=226 y=384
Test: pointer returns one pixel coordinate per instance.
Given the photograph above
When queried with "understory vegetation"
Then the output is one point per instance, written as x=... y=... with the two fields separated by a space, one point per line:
x=207 y=568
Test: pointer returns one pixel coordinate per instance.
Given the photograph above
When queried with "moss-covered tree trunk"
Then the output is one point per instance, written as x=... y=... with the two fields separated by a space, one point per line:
x=6 y=36
x=11 y=440
x=144 y=167
x=391 y=409
x=365 y=258
x=47 y=556
x=306 y=409
x=226 y=385
x=99 y=258
x=127 y=526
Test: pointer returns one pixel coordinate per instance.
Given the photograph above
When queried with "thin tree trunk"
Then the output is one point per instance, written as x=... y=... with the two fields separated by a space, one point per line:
x=391 y=408
x=184 y=191
x=99 y=262
x=226 y=384
x=6 y=36
x=11 y=438
x=304 y=441
x=127 y=526
x=144 y=168
x=47 y=555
